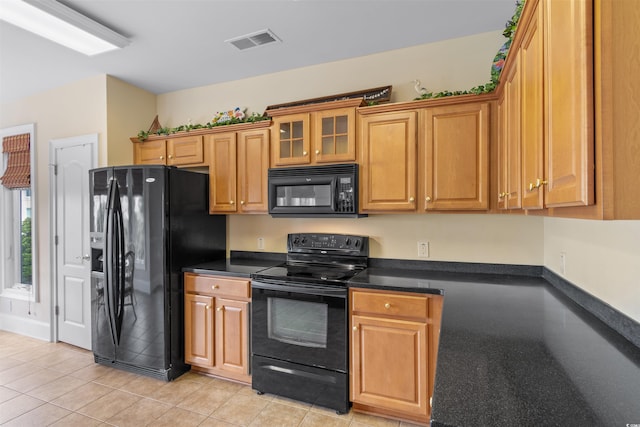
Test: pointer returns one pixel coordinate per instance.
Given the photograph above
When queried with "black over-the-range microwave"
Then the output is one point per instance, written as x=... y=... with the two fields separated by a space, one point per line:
x=314 y=191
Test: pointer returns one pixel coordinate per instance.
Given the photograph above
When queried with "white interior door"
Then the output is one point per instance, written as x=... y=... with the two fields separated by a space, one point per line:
x=73 y=157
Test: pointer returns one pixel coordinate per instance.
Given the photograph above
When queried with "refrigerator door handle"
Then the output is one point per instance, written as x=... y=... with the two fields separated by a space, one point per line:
x=109 y=261
x=119 y=265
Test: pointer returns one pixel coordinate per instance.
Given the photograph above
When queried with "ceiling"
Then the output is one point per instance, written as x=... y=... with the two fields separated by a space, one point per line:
x=180 y=44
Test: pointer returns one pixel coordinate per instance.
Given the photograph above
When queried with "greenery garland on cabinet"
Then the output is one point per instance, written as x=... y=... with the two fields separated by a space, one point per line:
x=496 y=67
x=221 y=119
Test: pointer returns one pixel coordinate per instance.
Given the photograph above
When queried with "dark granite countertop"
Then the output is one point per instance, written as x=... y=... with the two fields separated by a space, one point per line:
x=515 y=351
x=238 y=267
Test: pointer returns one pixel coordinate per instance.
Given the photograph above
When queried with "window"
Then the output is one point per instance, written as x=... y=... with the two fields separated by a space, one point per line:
x=17 y=218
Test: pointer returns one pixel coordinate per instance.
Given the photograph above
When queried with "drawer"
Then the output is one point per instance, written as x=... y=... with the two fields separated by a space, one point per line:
x=392 y=304
x=217 y=285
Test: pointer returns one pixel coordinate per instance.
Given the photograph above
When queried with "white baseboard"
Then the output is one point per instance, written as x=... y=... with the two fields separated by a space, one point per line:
x=25 y=326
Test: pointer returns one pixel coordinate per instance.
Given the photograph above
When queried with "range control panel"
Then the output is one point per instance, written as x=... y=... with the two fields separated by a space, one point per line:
x=319 y=242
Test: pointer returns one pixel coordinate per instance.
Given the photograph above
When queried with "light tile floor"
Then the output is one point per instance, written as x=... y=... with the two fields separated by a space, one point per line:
x=56 y=384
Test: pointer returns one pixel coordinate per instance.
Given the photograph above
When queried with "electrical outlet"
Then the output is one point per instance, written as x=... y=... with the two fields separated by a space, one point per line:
x=563 y=262
x=261 y=243
x=423 y=249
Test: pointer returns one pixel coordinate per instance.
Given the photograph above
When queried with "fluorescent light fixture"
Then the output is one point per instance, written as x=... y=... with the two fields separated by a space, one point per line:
x=61 y=24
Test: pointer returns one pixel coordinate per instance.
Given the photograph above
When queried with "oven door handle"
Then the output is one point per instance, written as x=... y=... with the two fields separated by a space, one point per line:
x=329 y=291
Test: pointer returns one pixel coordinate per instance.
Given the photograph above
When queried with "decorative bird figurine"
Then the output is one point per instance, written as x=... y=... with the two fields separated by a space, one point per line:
x=419 y=90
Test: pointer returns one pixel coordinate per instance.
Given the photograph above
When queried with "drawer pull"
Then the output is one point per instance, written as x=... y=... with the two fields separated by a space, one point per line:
x=387 y=306
x=215 y=287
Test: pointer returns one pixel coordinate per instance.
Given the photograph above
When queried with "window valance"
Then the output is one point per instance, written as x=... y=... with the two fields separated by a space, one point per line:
x=18 y=172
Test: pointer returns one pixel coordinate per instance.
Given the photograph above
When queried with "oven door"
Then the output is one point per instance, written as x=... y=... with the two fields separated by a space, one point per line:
x=303 y=324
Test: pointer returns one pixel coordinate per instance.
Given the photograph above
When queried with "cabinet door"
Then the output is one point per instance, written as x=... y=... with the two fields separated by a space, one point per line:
x=198 y=330
x=253 y=167
x=389 y=365
x=150 y=152
x=334 y=136
x=569 y=143
x=532 y=66
x=232 y=326
x=513 y=142
x=222 y=172
x=456 y=162
x=290 y=140
x=186 y=150
x=501 y=109
x=388 y=162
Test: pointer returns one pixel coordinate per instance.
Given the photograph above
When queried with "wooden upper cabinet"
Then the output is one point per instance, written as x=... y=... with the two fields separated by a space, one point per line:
x=179 y=151
x=388 y=162
x=222 y=172
x=185 y=150
x=510 y=144
x=455 y=159
x=291 y=144
x=531 y=63
x=238 y=165
x=252 y=169
x=152 y=152
x=568 y=77
x=334 y=136
x=314 y=133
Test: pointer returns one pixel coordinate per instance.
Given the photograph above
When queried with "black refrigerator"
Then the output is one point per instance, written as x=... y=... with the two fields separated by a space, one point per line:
x=147 y=223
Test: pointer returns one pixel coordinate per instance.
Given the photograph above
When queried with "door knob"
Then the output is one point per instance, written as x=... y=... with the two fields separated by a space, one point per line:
x=85 y=257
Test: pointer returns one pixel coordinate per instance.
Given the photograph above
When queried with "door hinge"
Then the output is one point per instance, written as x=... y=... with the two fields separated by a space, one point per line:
x=55 y=240
x=55 y=169
x=57 y=310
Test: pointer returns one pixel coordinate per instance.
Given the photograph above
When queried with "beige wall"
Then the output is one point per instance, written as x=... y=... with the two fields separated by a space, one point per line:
x=456 y=64
x=602 y=257
x=127 y=108
x=71 y=110
x=460 y=237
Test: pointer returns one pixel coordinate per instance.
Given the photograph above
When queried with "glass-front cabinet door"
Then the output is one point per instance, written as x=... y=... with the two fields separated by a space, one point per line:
x=291 y=140
x=334 y=138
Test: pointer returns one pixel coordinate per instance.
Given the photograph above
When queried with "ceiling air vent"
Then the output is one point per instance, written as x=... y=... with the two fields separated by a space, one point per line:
x=256 y=39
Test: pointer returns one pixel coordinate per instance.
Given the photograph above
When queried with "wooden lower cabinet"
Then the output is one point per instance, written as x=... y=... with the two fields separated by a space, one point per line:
x=217 y=325
x=394 y=338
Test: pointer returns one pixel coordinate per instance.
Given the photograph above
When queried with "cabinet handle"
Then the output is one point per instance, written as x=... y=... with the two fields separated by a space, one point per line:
x=215 y=287
x=171 y=156
x=355 y=328
x=231 y=202
x=502 y=195
x=540 y=182
x=220 y=309
x=161 y=157
x=242 y=202
x=387 y=305
x=427 y=199
x=317 y=151
x=531 y=186
x=208 y=307
x=304 y=153
x=411 y=199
